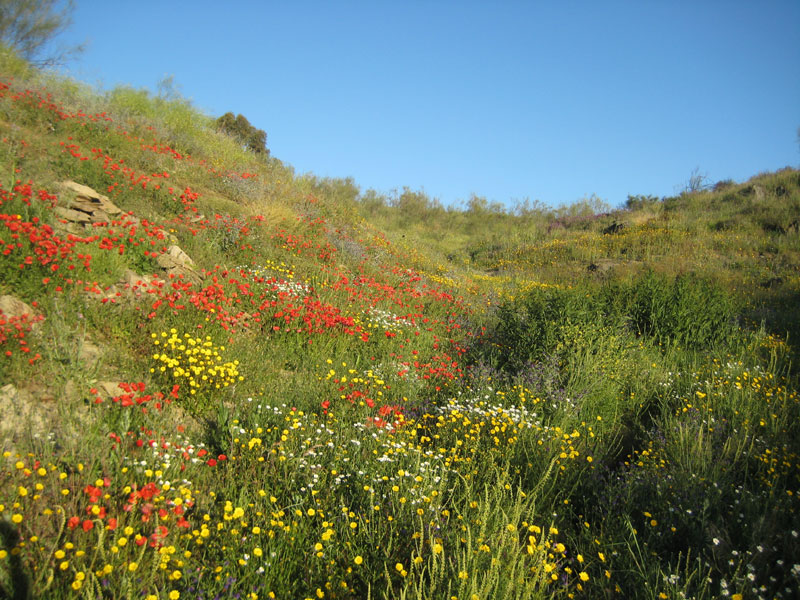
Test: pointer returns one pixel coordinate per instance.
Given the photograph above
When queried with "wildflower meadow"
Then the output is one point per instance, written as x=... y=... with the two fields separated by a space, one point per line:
x=221 y=379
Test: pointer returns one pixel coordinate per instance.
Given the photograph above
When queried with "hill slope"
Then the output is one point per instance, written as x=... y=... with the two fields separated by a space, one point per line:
x=219 y=379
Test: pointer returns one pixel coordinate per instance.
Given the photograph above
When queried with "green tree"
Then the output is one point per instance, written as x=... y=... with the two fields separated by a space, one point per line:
x=29 y=26
x=240 y=128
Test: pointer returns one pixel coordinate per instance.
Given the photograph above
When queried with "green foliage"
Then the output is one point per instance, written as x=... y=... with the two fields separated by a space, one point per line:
x=415 y=206
x=687 y=311
x=240 y=128
x=12 y=63
x=640 y=201
x=585 y=207
x=183 y=125
x=533 y=327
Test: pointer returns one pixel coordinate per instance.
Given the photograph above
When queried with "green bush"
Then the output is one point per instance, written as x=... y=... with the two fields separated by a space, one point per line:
x=240 y=128
x=687 y=311
x=534 y=327
x=640 y=201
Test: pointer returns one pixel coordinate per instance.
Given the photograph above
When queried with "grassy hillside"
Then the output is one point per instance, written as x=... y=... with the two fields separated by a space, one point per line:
x=219 y=379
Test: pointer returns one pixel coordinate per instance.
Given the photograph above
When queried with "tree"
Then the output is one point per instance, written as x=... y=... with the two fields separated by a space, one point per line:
x=30 y=26
x=240 y=128
x=698 y=182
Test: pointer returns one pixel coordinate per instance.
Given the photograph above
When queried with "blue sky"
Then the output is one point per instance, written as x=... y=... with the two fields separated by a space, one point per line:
x=551 y=101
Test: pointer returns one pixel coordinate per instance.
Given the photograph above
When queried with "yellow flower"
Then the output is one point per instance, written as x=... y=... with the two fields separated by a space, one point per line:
x=358 y=560
x=437 y=548
x=584 y=576
x=174 y=595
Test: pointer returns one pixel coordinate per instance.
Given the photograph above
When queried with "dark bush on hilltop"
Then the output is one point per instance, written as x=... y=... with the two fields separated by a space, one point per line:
x=724 y=184
x=640 y=201
x=685 y=311
x=240 y=128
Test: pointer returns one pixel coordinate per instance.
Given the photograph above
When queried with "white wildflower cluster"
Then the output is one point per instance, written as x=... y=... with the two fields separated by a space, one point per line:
x=268 y=269
x=482 y=407
x=160 y=457
x=291 y=288
x=377 y=318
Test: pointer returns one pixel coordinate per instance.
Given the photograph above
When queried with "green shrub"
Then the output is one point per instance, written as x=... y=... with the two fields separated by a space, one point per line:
x=240 y=128
x=687 y=311
x=535 y=326
x=640 y=201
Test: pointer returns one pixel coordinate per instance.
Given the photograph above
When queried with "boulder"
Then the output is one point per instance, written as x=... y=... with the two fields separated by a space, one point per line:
x=89 y=201
x=176 y=262
x=11 y=306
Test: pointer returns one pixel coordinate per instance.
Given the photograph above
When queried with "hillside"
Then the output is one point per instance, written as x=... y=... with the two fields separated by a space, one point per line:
x=220 y=379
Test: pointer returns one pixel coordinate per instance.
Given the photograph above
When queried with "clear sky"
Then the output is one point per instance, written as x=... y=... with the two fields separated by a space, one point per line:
x=550 y=101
